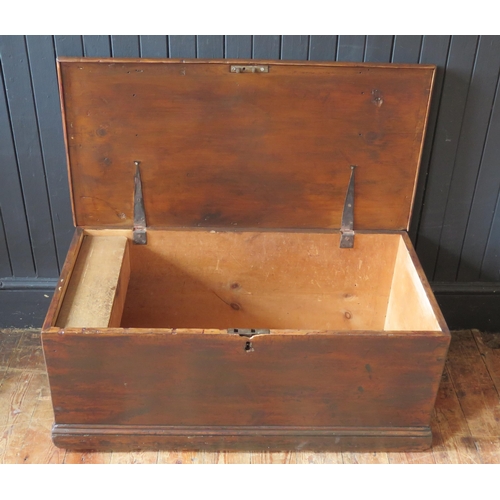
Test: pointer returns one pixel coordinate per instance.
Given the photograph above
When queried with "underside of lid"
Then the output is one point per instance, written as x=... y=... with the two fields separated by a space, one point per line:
x=219 y=147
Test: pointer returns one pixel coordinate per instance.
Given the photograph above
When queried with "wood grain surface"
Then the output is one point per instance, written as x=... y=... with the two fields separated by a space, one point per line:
x=123 y=391
x=339 y=380
x=248 y=150
x=251 y=279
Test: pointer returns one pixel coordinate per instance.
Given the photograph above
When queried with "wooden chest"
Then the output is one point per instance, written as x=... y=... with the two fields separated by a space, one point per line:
x=241 y=276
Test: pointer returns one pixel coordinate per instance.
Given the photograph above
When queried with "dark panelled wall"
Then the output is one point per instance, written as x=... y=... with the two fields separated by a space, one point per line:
x=456 y=221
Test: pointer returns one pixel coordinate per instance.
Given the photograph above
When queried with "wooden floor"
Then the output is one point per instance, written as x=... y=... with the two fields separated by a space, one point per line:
x=465 y=425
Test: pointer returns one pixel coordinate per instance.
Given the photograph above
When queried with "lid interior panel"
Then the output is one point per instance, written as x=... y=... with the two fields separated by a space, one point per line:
x=219 y=149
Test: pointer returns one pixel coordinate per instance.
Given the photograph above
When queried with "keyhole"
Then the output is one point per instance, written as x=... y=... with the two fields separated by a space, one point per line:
x=248 y=347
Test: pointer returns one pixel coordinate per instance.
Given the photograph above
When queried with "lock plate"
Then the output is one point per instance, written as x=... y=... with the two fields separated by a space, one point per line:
x=248 y=332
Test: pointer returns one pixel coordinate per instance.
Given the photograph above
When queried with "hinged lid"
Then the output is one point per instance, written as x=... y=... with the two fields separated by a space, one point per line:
x=224 y=148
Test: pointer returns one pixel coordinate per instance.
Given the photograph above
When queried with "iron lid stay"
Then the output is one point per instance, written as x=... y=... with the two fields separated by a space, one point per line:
x=139 y=232
x=347 y=224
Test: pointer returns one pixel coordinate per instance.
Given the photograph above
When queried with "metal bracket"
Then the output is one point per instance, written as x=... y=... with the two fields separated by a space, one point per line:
x=347 y=226
x=250 y=69
x=248 y=332
x=139 y=232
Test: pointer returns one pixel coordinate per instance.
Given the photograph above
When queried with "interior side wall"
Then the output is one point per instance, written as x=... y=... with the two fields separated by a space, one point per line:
x=409 y=307
x=296 y=280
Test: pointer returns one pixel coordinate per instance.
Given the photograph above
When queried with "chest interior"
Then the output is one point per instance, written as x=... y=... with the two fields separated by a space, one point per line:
x=233 y=179
x=219 y=280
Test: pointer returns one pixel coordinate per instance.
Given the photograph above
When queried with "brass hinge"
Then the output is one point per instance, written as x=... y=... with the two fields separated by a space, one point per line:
x=139 y=231
x=259 y=68
x=347 y=225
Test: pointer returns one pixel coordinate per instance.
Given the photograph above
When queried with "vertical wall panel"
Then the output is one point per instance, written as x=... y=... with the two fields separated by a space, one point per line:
x=28 y=151
x=295 y=47
x=11 y=196
x=97 y=46
x=483 y=204
x=453 y=101
x=69 y=45
x=238 y=46
x=266 y=46
x=45 y=89
x=490 y=269
x=406 y=49
x=323 y=48
x=125 y=46
x=5 y=268
x=468 y=158
x=153 y=46
x=434 y=51
x=182 y=46
x=378 y=48
x=210 y=46
x=351 y=48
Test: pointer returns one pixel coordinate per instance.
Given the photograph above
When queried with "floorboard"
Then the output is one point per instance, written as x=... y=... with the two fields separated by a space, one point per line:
x=465 y=422
x=475 y=389
x=76 y=457
x=452 y=440
x=135 y=457
x=491 y=357
x=366 y=458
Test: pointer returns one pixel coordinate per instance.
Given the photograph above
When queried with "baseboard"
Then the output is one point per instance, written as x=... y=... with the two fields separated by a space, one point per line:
x=264 y=438
x=469 y=305
x=26 y=284
x=21 y=308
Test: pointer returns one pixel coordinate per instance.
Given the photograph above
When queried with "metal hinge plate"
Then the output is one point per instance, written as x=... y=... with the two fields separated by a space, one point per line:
x=248 y=332
x=259 y=68
x=347 y=239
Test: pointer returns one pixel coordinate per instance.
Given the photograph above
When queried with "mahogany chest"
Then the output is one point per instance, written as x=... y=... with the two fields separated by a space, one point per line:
x=240 y=275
